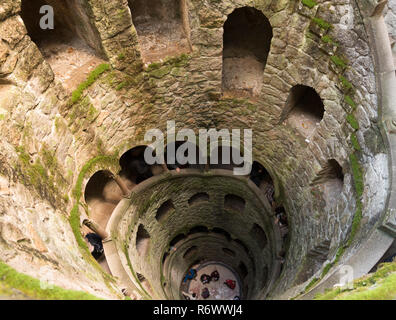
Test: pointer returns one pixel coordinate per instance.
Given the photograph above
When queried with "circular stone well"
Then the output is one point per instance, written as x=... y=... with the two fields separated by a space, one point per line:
x=209 y=216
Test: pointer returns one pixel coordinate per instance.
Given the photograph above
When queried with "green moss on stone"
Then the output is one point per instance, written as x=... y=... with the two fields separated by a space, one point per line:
x=352 y=121
x=82 y=111
x=322 y=23
x=160 y=73
x=66 y=198
x=357 y=174
x=121 y=86
x=309 y=3
x=345 y=83
x=93 y=76
x=74 y=218
x=326 y=269
x=355 y=227
x=339 y=62
x=350 y=101
x=358 y=178
x=311 y=284
x=34 y=288
x=357 y=218
x=159 y=70
x=142 y=291
x=109 y=161
x=45 y=178
x=384 y=270
x=153 y=66
x=49 y=159
x=121 y=56
x=329 y=40
x=311 y=35
x=378 y=286
x=179 y=61
x=355 y=142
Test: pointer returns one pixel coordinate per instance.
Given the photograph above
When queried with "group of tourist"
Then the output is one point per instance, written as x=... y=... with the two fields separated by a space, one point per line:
x=206 y=279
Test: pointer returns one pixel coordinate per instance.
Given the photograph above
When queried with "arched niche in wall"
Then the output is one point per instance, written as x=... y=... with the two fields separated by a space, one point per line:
x=241 y=244
x=162 y=27
x=262 y=179
x=197 y=262
x=304 y=110
x=142 y=240
x=134 y=168
x=190 y=252
x=242 y=270
x=165 y=210
x=198 y=230
x=198 y=198
x=247 y=43
x=222 y=232
x=102 y=194
x=180 y=237
x=73 y=46
x=330 y=180
x=182 y=150
x=259 y=235
x=234 y=203
x=229 y=252
x=225 y=157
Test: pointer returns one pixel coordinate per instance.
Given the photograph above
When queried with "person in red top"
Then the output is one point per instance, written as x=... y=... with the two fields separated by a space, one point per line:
x=230 y=284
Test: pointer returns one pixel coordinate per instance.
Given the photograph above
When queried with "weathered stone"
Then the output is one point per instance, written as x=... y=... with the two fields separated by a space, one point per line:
x=115 y=111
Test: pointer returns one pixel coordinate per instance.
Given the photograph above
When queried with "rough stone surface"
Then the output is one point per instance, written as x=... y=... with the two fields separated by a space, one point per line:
x=46 y=141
